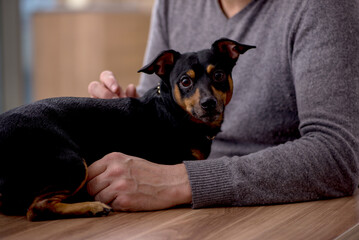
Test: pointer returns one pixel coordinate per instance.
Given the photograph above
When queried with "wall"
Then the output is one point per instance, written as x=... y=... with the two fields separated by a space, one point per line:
x=72 y=48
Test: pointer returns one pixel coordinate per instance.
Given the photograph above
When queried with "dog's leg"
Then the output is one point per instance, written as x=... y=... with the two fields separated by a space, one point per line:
x=52 y=206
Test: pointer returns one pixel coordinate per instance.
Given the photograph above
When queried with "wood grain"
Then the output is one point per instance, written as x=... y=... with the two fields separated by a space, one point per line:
x=325 y=219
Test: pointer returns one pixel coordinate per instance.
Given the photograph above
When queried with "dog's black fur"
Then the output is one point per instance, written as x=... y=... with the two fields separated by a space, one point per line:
x=45 y=146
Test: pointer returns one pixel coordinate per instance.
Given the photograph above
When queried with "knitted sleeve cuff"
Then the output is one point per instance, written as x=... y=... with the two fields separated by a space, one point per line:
x=211 y=183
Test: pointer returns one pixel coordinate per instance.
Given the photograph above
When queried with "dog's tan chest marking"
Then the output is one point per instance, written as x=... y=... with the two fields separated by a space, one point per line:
x=198 y=154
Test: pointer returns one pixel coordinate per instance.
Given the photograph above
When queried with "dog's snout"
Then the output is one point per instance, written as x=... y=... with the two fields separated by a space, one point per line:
x=209 y=103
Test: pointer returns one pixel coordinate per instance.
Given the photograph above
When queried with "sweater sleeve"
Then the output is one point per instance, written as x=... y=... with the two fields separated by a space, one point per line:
x=157 y=42
x=323 y=162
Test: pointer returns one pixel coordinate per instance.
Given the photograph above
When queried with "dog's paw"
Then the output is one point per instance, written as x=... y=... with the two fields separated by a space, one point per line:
x=98 y=209
x=46 y=210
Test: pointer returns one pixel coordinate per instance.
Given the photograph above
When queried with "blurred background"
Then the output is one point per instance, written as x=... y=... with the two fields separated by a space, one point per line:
x=51 y=48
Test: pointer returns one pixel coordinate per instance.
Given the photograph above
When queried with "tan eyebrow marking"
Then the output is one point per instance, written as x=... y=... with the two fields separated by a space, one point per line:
x=191 y=74
x=209 y=69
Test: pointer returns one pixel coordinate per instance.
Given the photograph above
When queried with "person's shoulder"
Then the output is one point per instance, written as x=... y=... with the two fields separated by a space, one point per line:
x=311 y=13
x=330 y=8
x=331 y=13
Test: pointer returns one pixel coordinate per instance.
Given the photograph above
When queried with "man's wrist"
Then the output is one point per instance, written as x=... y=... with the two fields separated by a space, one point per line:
x=183 y=191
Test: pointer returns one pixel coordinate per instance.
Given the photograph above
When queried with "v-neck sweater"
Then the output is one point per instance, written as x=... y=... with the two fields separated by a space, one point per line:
x=291 y=131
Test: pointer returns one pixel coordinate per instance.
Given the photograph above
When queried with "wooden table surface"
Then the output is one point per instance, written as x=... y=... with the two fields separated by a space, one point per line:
x=327 y=219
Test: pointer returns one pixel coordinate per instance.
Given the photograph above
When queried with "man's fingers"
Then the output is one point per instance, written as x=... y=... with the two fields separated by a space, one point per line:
x=108 y=88
x=131 y=91
x=110 y=82
x=119 y=188
x=102 y=172
x=97 y=185
x=98 y=90
x=96 y=177
x=97 y=167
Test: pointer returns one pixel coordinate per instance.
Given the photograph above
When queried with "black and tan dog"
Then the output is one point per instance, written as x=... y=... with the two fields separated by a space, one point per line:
x=45 y=146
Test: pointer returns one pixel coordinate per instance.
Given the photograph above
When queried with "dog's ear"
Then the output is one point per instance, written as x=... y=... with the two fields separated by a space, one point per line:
x=162 y=64
x=230 y=48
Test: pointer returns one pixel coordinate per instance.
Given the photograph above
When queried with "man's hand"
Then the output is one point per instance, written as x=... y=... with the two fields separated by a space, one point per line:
x=108 y=87
x=133 y=184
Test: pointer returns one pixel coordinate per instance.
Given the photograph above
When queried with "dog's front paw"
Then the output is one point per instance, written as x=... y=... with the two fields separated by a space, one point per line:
x=47 y=209
x=98 y=209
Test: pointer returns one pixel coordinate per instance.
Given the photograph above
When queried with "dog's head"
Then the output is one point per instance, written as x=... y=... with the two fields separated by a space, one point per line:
x=200 y=82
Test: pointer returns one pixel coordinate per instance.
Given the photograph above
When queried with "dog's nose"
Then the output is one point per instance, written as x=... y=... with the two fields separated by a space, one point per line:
x=209 y=103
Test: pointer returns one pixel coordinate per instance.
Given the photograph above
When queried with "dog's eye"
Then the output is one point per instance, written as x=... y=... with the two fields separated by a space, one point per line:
x=186 y=82
x=219 y=76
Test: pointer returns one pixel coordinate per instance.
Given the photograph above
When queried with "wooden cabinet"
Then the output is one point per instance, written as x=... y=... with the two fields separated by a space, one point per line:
x=71 y=49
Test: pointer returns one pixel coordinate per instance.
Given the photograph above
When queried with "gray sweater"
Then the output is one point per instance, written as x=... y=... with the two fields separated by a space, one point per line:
x=291 y=131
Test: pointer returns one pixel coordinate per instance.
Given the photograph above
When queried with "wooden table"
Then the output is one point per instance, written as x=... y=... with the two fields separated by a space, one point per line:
x=326 y=219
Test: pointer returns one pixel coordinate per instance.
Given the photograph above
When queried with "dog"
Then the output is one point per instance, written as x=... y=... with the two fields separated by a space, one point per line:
x=47 y=145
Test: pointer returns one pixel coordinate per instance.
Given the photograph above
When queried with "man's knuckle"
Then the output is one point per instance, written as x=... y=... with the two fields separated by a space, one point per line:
x=115 y=155
x=124 y=185
x=116 y=171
